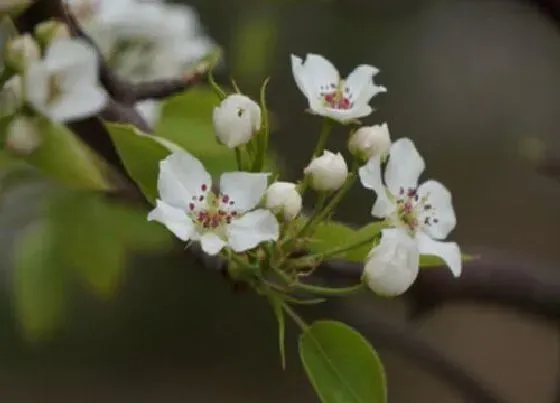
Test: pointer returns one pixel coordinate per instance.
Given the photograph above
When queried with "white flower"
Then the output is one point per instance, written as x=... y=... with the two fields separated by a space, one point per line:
x=144 y=39
x=21 y=52
x=328 y=172
x=236 y=119
x=283 y=198
x=22 y=136
x=424 y=212
x=328 y=94
x=392 y=266
x=11 y=96
x=368 y=141
x=64 y=85
x=189 y=209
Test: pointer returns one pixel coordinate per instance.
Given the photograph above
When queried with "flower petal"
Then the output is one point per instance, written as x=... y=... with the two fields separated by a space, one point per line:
x=36 y=86
x=361 y=86
x=82 y=102
x=439 y=219
x=252 y=229
x=298 y=72
x=244 y=189
x=318 y=72
x=175 y=220
x=449 y=252
x=370 y=177
x=211 y=243
x=182 y=177
x=404 y=167
x=392 y=266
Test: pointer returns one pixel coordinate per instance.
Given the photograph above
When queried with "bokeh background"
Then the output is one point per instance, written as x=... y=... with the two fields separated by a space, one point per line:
x=476 y=84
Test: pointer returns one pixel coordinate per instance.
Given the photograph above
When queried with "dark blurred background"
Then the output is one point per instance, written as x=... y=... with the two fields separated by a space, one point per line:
x=476 y=84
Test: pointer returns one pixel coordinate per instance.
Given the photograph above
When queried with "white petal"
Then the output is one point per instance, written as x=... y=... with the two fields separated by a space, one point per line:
x=392 y=266
x=370 y=177
x=252 y=229
x=36 y=86
x=211 y=243
x=182 y=177
x=404 y=167
x=74 y=54
x=449 y=252
x=441 y=215
x=244 y=189
x=174 y=219
x=360 y=83
x=319 y=71
x=298 y=72
x=80 y=103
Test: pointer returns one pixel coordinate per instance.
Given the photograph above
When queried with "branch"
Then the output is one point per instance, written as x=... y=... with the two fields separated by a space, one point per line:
x=493 y=278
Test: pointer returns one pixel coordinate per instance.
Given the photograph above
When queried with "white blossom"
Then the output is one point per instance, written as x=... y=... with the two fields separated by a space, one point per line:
x=236 y=120
x=283 y=198
x=150 y=110
x=21 y=51
x=22 y=136
x=327 y=172
x=392 y=266
x=64 y=85
x=193 y=212
x=368 y=141
x=424 y=213
x=329 y=95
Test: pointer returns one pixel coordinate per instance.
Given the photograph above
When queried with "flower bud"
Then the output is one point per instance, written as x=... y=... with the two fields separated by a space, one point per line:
x=23 y=136
x=236 y=119
x=368 y=141
x=11 y=96
x=392 y=266
x=283 y=198
x=21 y=51
x=49 y=31
x=327 y=172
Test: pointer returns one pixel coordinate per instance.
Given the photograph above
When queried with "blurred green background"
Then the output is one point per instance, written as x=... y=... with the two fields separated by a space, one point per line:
x=476 y=84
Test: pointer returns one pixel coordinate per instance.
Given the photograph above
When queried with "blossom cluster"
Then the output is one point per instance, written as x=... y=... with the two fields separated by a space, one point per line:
x=144 y=40
x=49 y=75
x=248 y=211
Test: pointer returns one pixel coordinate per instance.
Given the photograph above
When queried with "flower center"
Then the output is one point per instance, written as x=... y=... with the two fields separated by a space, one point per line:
x=413 y=210
x=336 y=96
x=211 y=212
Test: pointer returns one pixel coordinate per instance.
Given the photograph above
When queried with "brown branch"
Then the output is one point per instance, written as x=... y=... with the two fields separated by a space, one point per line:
x=493 y=278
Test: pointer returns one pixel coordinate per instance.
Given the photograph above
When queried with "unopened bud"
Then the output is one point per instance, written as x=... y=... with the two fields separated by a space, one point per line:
x=21 y=51
x=368 y=141
x=283 y=198
x=236 y=120
x=11 y=96
x=23 y=137
x=49 y=31
x=327 y=172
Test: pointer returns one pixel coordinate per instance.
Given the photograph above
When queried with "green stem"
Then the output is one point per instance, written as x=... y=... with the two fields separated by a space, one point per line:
x=238 y=159
x=315 y=289
x=295 y=317
x=319 y=204
x=219 y=92
x=333 y=252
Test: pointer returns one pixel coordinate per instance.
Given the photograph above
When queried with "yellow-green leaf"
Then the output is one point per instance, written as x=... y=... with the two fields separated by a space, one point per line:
x=65 y=158
x=141 y=155
x=39 y=282
x=341 y=365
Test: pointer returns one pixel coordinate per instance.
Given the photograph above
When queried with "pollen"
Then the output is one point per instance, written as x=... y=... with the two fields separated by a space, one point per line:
x=336 y=96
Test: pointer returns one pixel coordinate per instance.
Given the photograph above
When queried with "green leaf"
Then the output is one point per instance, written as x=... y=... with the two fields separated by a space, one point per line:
x=276 y=303
x=39 y=282
x=98 y=254
x=65 y=158
x=328 y=235
x=341 y=365
x=141 y=155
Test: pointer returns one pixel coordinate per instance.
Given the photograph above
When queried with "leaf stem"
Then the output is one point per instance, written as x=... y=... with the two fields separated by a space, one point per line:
x=295 y=317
